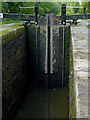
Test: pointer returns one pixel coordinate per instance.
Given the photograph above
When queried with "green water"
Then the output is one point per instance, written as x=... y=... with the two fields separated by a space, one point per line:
x=44 y=103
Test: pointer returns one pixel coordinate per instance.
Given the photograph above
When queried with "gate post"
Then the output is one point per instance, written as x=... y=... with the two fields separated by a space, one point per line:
x=84 y=10
x=63 y=14
x=36 y=14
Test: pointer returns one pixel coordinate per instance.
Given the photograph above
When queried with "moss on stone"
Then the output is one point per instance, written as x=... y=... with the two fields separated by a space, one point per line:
x=88 y=26
x=66 y=47
x=6 y=79
x=7 y=61
x=18 y=53
x=16 y=26
x=12 y=34
x=82 y=52
x=4 y=31
x=72 y=103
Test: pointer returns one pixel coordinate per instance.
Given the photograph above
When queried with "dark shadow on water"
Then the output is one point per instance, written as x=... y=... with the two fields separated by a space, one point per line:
x=44 y=103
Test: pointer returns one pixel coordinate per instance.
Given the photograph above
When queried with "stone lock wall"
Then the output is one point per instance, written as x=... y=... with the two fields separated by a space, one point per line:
x=19 y=52
x=72 y=94
x=68 y=68
x=13 y=69
x=67 y=37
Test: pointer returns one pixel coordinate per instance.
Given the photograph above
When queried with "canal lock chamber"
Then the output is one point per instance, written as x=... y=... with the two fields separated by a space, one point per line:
x=48 y=55
x=49 y=70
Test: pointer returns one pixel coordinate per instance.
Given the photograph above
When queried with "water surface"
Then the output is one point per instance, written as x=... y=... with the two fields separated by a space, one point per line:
x=44 y=103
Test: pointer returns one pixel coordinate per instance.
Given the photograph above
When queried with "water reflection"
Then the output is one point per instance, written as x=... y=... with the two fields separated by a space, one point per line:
x=45 y=103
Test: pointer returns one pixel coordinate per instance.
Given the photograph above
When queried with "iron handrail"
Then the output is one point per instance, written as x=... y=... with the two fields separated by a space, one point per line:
x=36 y=13
x=75 y=7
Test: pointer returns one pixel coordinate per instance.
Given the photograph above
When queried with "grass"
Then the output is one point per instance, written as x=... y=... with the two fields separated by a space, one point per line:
x=84 y=19
x=9 y=20
x=88 y=26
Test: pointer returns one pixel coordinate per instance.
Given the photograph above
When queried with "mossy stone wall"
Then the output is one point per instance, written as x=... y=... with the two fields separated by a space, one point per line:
x=13 y=69
x=19 y=48
x=66 y=53
x=69 y=69
x=72 y=100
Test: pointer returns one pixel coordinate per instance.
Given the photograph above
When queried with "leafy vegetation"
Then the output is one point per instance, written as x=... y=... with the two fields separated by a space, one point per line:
x=84 y=19
x=44 y=7
x=88 y=26
x=87 y=4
